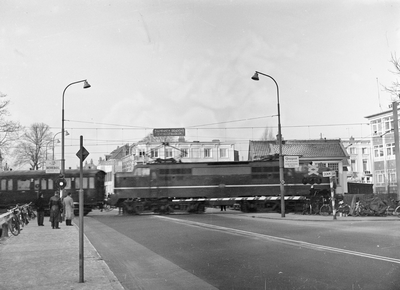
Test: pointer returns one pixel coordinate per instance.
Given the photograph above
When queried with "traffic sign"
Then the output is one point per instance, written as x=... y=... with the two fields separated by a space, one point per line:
x=329 y=173
x=85 y=153
x=291 y=161
x=52 y=166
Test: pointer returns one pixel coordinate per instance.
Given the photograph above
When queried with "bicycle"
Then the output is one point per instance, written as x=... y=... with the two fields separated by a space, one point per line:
x=396 y=211
x=325 y=208
x=343 y=209
x=311 y=207
x=14 y=222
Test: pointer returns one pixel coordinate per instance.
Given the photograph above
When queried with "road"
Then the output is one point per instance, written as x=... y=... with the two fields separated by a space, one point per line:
x=241 y=251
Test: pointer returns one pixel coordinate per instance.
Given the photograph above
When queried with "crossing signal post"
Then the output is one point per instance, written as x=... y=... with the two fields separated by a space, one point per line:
x=81 y=154
x=61 y=182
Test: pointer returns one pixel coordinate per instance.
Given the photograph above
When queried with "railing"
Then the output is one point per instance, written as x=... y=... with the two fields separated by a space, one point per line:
x=8 y=220
x=4 y=224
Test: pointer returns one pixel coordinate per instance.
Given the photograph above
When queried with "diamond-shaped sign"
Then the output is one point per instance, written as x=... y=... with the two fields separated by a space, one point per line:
x=84 y=153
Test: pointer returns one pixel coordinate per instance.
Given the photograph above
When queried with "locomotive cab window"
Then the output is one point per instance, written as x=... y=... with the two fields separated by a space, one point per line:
x=141 y=172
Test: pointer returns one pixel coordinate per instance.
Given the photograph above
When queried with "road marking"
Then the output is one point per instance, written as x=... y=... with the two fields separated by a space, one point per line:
x=286 y=241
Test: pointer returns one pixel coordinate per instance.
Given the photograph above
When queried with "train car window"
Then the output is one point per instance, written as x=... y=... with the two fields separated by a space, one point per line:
x=10 y=184
x=50 y=183
x=3 y=184
x=43 y=184
x=36 y=184
x=23 y=184
x=91 y=182
x=84 y=183
x=141 y=172
x=68 y=180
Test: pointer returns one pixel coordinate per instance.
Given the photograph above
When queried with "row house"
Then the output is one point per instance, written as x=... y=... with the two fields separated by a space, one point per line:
x=323 y=153
x=183 y=151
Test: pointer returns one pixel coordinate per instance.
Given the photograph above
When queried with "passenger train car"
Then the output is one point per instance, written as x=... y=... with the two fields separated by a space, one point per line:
x=252 y=186
x=19 y=187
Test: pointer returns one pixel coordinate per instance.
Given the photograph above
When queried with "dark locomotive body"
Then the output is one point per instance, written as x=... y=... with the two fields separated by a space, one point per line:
x=192 y=186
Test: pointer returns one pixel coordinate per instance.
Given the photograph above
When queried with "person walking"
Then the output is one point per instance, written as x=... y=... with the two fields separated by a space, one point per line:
x=55 y=205
x=68 y=212
x=40 y=205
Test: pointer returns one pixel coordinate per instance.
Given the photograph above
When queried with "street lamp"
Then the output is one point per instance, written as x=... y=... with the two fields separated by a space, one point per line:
x=86 y=85
x=58 y=141
x=281 y=176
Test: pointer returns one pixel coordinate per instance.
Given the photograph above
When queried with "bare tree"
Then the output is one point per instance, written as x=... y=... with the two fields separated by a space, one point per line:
x=267 y=134
x=8 y=129
x=31 y=147
x=163 y=139
x=394 y=88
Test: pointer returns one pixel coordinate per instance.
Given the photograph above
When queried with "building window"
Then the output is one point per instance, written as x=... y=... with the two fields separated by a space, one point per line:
x=353 y=150
x=365 y=165
x=154 y=153
x=379 y=177
x=184 y=152
x=388 y=124
x=142 y=153
x=378 y=150
x=392 y=176
x=377 y=127
x=207 y=153
x=364 y=150
x=168 y=153
x=353 y=165
x=223 y=153
x=390 y=149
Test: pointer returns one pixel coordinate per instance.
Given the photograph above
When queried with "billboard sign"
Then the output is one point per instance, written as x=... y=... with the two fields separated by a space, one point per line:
x=162 y=132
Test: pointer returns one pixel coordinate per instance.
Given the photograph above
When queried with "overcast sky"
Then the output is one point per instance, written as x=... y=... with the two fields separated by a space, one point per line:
x=188 y=64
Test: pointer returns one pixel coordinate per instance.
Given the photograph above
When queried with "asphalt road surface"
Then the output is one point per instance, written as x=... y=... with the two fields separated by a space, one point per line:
x=235 y=251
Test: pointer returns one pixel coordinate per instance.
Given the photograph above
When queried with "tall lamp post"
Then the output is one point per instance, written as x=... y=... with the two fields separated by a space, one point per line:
x=281 y=176
x=58 y=141
x=86 y=85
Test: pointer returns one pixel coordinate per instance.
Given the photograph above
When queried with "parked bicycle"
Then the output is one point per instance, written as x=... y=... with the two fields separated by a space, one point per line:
x=343 y=209
x=325 y=208
x=20 y=216
x=14 y=222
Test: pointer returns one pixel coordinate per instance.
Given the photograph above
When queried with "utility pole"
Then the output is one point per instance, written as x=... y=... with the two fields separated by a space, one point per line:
x=396 y=146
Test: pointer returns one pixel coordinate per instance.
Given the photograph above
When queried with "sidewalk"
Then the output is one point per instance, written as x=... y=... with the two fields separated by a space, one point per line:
x=47 y=259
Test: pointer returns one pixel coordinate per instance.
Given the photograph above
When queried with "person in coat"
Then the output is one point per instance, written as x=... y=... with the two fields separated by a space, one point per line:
x=55 y=206
x=40 y=205
x=68 y=212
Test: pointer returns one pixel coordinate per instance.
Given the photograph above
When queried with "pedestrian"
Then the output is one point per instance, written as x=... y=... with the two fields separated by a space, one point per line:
x=68 y=211
x=40 y=205
x=55 y=206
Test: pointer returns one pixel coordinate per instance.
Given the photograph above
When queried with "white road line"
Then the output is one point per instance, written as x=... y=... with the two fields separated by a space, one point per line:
x=281 y=240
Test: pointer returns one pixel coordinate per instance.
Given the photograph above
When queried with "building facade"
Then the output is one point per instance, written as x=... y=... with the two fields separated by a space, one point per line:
x=320 y=153
x=361 y=162
x=383 y=153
